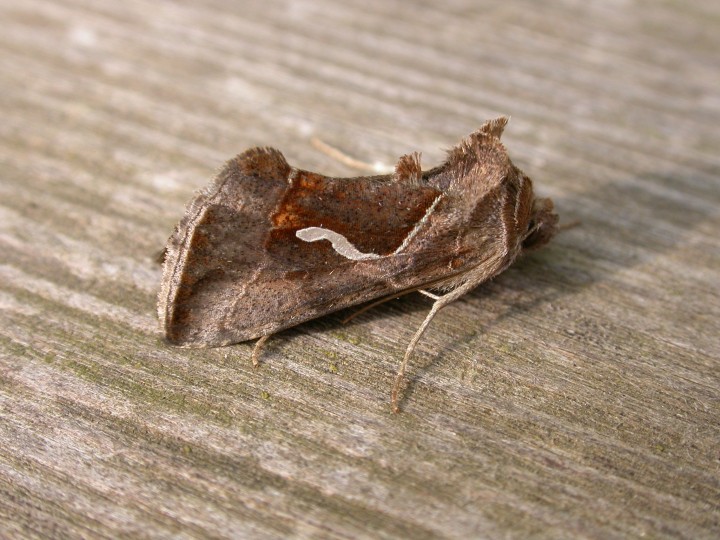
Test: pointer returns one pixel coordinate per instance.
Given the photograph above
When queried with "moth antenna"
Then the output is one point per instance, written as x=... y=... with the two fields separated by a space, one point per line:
x=569 y=225
x=408 y=169
x=259 y=345
x=440 y=303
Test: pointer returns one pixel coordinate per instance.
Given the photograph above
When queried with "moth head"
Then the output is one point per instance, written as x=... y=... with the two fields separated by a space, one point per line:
x=543 y=225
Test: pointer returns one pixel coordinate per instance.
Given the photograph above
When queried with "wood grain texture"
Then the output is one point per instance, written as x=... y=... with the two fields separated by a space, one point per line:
x=576 y=396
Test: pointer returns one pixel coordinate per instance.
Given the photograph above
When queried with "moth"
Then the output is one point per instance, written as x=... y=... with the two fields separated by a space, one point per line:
x=268 y=246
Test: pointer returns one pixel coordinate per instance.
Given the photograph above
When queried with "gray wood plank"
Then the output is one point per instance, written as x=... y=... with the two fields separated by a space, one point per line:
x=576 y=396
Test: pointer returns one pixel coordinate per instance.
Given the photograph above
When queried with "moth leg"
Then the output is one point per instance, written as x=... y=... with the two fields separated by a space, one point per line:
x=429 y=294
x=259 y=344
x=439 y=303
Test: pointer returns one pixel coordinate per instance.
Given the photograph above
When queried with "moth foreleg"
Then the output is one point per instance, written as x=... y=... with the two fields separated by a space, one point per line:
x=440 y=302
x=259 y=344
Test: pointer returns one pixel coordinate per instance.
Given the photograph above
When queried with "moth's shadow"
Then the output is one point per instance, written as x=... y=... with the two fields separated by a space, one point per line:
x=615 y=234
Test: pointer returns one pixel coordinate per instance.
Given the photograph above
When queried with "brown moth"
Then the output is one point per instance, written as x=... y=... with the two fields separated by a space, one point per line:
x=267 y=246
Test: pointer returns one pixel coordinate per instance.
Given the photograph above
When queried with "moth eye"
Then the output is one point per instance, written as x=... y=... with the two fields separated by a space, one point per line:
x=531 y=225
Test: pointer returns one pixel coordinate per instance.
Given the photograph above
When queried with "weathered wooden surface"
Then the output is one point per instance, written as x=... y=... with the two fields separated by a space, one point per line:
x=575 y=396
